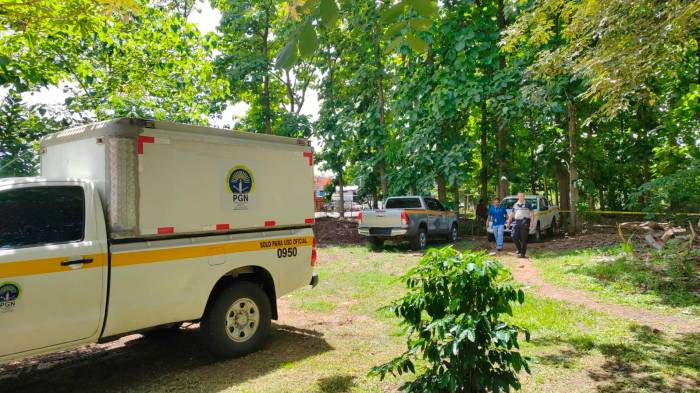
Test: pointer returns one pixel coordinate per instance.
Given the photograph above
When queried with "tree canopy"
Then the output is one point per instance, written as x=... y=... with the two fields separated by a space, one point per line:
x=594 y=104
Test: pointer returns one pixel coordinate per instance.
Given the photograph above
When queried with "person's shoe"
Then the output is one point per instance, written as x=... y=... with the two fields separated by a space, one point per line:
x=521 y=256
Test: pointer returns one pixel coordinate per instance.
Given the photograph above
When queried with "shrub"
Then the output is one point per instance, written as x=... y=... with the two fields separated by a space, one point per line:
x=453 y=311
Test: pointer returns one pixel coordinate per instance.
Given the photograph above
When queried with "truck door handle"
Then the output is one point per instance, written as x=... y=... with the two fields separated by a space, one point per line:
x=76 y=261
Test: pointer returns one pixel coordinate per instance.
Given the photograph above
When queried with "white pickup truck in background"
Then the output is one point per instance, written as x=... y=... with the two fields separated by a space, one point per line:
x=547 y=217
x=138 y=224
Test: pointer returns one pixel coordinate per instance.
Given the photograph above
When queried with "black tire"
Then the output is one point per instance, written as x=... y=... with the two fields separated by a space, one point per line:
x=420 y=241
x=554 y=228
x=453 y=234
x=537 y=237
x=376 y=244
x=217 y=332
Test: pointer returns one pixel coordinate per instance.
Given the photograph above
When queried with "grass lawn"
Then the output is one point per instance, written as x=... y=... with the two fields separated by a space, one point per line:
x=614 y=278
x=329 y=337
x=572 y=349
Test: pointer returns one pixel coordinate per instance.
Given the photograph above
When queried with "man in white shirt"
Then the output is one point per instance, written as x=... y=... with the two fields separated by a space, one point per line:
x=522 y=217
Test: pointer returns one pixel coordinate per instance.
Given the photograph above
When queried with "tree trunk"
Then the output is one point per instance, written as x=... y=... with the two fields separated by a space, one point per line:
x=501 y=131
x=380 y=95
x=573 y=174
x=601 y=198
x=503 y=188
x=563 y=187
x=455 y=196
x=533 y=173
x=441 y=188
x=290 y=91
x=266 y=79
x=484 y=153
x=590 y=193
x=341 y=200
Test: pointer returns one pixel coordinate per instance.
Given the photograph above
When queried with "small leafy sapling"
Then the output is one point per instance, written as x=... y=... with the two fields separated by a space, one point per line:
x=453 y=310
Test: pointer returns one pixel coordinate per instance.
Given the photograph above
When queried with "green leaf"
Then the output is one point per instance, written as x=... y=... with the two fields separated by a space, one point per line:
x=420 y=24
x=288 y=55
x=392 y=13
x=4 y=60
x=426 y=8
x=308 y=40
x=416 y=43
x=391 y=47
x=329 y=12
x=521 y=296
x=309 y=5
x=395 y=28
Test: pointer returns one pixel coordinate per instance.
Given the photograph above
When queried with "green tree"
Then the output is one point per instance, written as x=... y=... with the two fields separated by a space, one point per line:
x=21 y=127
x=155 y=65
x=251 y=34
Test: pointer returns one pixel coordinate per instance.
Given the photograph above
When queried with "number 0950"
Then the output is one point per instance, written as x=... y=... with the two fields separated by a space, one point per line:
x=288 y=252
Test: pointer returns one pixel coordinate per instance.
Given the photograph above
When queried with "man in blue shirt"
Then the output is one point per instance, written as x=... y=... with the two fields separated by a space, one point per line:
x=497 y=216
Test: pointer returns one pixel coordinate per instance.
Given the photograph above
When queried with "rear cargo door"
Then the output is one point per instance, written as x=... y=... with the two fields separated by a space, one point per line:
x=52 y=268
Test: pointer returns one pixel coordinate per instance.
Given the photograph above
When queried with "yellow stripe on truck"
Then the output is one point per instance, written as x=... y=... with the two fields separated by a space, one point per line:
x=43 y=266
x=53 y=265
x=168 y=254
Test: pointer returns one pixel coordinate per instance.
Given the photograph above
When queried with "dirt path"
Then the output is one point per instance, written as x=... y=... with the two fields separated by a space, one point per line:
x=525 y=272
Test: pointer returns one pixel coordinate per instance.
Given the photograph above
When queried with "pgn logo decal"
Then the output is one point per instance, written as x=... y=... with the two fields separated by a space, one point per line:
x=241 y=183
x=10 y=293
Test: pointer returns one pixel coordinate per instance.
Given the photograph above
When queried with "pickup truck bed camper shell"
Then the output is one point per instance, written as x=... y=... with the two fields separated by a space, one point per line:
x=139 y=224
x=161 y=178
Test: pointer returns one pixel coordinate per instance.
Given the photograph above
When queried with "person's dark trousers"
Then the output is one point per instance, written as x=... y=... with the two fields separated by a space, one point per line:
x=521 y=230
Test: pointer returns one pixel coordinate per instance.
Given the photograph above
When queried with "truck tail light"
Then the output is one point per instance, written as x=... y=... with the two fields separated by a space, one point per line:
x=404 y=218
x=359 y=217
x=314 y=255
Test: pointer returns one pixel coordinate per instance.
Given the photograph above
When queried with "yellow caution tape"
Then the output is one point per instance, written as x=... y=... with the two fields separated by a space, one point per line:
x=631 y=213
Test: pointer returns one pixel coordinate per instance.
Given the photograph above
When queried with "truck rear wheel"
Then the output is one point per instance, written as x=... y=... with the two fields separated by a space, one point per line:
x=420 y=241
x=453 y=235
x=554 y=228
x=375 y=243
x=537 y=237
x=237 y=321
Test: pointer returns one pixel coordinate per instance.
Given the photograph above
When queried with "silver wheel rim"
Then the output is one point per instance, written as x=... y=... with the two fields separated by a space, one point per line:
x=454 y=234
x=422 y=240
x=242 y=320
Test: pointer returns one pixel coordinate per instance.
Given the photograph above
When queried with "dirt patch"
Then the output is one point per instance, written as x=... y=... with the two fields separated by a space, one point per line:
x=525 y=272
x=560 y=243
x=334 y=231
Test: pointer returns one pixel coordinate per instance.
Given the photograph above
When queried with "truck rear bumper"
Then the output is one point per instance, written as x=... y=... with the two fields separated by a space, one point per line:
x=314 y=280
x=385 y=232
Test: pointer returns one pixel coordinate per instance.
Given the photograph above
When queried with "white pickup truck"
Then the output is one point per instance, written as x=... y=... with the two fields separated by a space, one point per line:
x=138 y=224
x=547 y=217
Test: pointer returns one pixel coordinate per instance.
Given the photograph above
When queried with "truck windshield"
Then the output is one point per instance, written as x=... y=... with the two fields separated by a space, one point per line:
x=403 y=203
x=509 y=202
x=36 y=216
